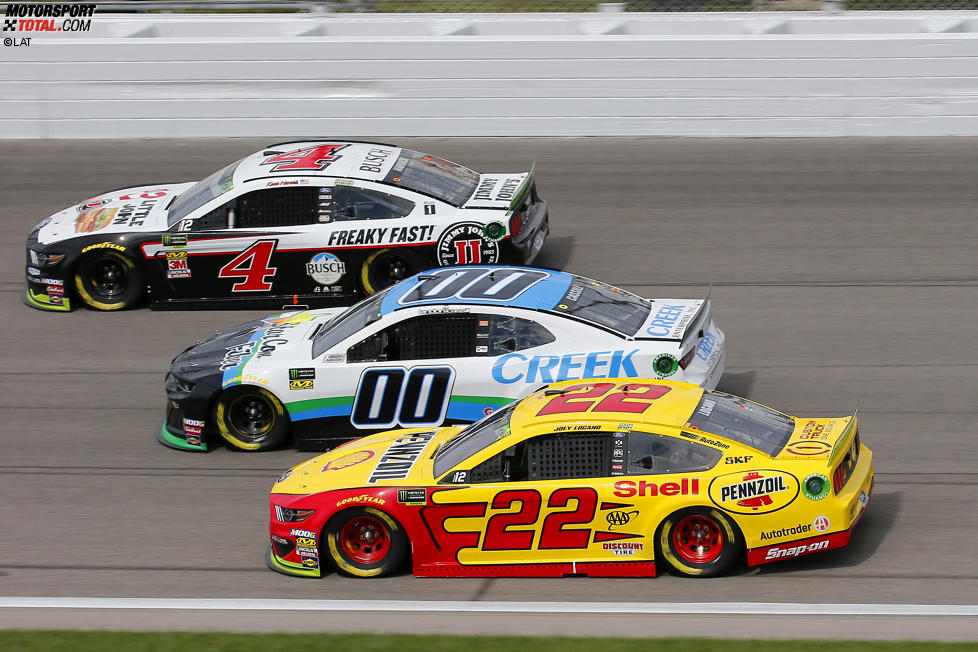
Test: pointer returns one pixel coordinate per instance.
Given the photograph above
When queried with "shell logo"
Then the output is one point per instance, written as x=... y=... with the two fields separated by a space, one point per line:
x=758 y=492
x=346 y=461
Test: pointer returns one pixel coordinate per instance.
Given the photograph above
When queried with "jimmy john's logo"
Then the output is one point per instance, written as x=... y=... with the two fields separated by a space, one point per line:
x=756 y=492
x=398 y=460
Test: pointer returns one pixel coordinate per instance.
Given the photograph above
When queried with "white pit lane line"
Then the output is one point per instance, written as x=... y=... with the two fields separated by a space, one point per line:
x=617 y=608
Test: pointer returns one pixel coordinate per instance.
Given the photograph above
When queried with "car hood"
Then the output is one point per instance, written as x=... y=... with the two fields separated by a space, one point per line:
x=136 y=209
x=496 y=190
x=396 y=457
x=254 y=347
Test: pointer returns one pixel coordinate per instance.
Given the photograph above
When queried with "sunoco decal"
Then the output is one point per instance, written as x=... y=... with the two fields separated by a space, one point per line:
x=756 y=492
x=398 y=460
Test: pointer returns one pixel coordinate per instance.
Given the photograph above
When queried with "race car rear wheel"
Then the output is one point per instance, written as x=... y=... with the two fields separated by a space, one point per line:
x=698 y=542
x=251 y=418
x=365 y=542
x=386 y=267
x=108 y=280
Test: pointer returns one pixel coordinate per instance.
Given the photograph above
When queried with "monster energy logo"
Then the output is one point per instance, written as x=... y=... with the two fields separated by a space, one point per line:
x=307 y=373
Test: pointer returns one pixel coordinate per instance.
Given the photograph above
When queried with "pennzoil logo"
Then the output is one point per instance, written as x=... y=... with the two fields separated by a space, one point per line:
x=757 y=492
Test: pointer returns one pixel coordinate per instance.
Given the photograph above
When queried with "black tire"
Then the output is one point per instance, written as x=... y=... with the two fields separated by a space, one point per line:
x=385 y=267
x=251 y=419
x=108 y=280
x=365 y=542
x=698 y=542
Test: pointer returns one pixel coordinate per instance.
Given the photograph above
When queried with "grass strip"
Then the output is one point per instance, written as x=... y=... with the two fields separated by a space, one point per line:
x=21 y=640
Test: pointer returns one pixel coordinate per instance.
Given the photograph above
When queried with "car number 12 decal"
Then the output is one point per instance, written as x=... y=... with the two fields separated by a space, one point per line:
x=414 y=398
x=633 y=397
x=253 y=266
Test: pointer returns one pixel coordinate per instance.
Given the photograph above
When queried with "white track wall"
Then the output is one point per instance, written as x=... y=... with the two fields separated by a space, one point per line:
x=758 y=74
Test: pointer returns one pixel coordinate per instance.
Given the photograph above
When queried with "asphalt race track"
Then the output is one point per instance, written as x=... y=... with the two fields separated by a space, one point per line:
x=843 y=270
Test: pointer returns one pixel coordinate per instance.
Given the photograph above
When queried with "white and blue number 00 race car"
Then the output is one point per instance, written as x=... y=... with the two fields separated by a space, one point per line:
x=445 y=346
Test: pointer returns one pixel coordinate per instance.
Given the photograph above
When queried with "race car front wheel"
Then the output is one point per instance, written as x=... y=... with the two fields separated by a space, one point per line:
x=698 y=542
x=251 y=418
x=365 y=542
x=387 y=267
x=108 y=280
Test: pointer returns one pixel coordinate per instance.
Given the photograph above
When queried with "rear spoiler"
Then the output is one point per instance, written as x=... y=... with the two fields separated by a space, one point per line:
x=845 y=440
x=695 y=325
x=522 y=190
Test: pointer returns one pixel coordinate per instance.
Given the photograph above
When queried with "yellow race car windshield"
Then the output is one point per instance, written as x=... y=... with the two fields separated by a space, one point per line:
x=473 y=439
x=743 y=421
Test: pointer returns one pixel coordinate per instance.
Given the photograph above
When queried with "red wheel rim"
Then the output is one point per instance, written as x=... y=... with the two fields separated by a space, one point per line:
x=698 y=539
x=365 y=539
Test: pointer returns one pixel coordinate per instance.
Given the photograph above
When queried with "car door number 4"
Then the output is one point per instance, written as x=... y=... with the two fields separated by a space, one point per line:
x=253 y=266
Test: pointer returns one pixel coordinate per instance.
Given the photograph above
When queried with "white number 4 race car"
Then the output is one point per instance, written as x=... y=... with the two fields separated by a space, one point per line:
x=445 y=346
x=313 y=223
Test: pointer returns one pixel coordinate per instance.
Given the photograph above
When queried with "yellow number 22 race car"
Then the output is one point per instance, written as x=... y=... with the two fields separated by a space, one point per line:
x=598 y=478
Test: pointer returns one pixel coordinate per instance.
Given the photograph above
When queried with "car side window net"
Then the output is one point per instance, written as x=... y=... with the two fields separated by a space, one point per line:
x=570 y=455
x=652 y=454
x=420 y=338
x=277 y=207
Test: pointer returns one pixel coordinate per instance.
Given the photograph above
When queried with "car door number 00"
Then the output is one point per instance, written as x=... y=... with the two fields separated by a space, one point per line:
x=418 y=397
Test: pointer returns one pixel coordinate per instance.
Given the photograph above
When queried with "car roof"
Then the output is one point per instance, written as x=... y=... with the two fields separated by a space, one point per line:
x=671 y=409
x=348 y=157
x=543 y=294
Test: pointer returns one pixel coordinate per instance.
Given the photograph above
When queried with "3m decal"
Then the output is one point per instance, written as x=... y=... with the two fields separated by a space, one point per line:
x=465 y=244
x=757 y=492
x=346 y=461
x=632 y=397
x=398 y=460
x=418 y=397
x=318 y=157
x=177 y=264
x=251 y=265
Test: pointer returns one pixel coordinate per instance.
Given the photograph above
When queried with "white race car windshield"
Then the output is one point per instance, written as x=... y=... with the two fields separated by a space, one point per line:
x=201 y=192
x=743 y=421
x=473 y=439
x=433 y=176
x=357 y=317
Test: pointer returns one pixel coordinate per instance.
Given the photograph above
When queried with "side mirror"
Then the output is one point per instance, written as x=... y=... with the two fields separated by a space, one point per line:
x=350 y=211
x=508 y=345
